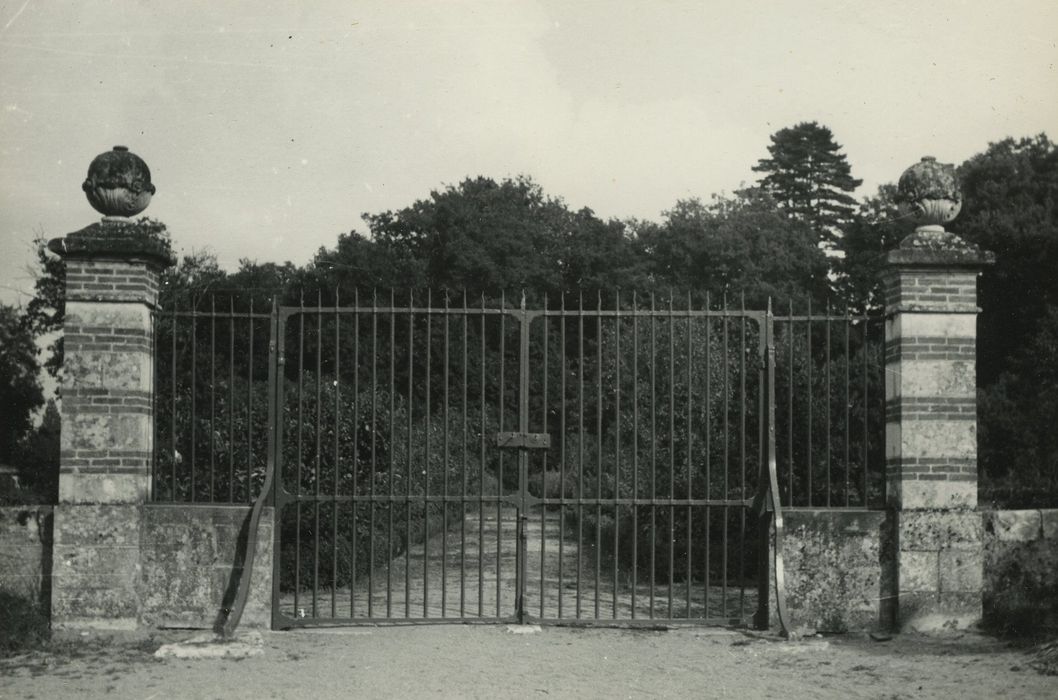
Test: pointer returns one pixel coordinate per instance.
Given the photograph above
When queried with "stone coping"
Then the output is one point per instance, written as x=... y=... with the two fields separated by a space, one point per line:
x=116 y=240
x=945 y=258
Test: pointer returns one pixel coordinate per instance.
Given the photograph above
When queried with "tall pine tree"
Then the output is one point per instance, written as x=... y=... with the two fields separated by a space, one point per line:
x=810 y=178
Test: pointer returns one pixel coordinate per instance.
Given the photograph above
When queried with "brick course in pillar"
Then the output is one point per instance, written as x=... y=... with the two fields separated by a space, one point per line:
x=107 y=408
x=931 y=432
x=112 y=272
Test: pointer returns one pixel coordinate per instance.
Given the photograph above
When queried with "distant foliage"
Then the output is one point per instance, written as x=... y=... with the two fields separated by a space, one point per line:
x=1011 y=208
x=20 y=391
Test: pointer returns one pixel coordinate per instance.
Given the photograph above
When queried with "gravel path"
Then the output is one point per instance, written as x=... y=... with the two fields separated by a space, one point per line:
x=487 y=661
x=454 y=575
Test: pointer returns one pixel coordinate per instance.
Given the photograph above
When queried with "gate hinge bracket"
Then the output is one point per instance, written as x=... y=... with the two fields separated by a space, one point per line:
x=532 y=441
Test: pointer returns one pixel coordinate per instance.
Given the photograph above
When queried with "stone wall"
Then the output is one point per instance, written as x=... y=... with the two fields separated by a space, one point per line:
x=25 y=552
x=96 y=557
x=836 y=563
x=181 y=578
x=1021 y=570
x=188 y=554
x=841 y=567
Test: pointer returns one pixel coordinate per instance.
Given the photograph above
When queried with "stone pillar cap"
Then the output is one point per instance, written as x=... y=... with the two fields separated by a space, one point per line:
x=932 y=246
x=117 y=240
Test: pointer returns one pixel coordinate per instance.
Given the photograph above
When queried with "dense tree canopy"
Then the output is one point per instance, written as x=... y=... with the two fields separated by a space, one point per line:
x=879 y=227
x=20 y=392
x=735 y=245
x=810 y=178
x=1010 y=206
x=486 y=236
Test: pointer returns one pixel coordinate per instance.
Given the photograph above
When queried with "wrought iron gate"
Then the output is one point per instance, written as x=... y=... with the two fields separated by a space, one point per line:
x=476 y=461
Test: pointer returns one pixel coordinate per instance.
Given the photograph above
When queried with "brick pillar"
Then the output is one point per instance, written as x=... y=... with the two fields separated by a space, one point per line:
x=112 y=272
x=931 y=428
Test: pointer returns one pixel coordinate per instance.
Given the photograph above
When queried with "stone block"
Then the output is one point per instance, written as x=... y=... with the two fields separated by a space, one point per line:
x=1014 y=525
x=939 y=529
x=1049 y=523
x=96 y=314
x=189 y=556
x=928 y=495
x=103 y=431
x=935 y=325
x=921 y=439
x=93 y=525
x=104 y=488
x=932 y=378
x=96 y=565
x=919 y=572
x=961 y=571
x=107 y=369
x=833 y=565
x=113 y=599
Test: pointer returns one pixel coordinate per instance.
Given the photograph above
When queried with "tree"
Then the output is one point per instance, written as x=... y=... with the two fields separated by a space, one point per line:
x=734 y=245
x=1010 y=206
x=45 y=312
x=1018 y=412
x=38 y=459
x=810 y=178
x=480 y=235
x=486 y=236
x=20 y=392
x=878 y=228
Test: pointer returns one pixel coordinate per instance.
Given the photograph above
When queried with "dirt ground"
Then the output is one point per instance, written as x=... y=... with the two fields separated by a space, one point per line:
x=492 y=661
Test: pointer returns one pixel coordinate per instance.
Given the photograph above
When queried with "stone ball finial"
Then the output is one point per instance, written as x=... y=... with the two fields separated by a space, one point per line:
x=931 y=193
x=118 y=183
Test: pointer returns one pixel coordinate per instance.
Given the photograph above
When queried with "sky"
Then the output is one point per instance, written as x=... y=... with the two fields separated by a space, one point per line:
x=271 y=127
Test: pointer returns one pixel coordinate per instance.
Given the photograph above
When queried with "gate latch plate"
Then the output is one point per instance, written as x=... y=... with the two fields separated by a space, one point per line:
x=532 y=441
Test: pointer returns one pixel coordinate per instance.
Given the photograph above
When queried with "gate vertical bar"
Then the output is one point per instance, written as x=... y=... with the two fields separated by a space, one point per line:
x=356 y=455
x=617 y=446
x=708 y=452
x=742 y=459
x=317 y=466
x=276 y=365
x=444 y=487
x=690 y=447
x=580 y=443
x=598 y=449
x=408 y=456
x=543 y=471
x=727 y=466
x=635 y=449
x=672 y=451
x=523 y=459
x=337 y=458
x=499 y=457
x=562 y=447
x=767 y=460
x=301 y=459
x=390 y=451
x=194 y=386
x=426 y=474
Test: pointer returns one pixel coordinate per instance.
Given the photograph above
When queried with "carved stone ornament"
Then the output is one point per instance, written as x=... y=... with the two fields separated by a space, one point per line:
x=930 y=192
x=118 y=183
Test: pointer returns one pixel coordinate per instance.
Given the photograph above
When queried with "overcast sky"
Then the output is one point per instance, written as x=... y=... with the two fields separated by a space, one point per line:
x=270 y=127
